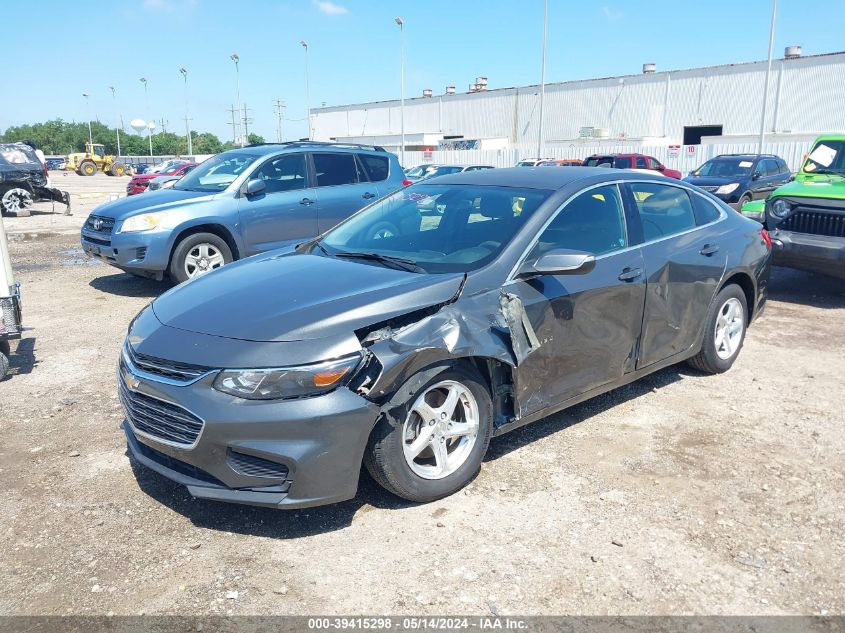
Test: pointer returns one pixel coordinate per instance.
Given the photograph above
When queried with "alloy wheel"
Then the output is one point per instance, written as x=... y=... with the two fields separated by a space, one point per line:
x=730 y=324
x=440 y=430
x=16 y=199
x=203 y=258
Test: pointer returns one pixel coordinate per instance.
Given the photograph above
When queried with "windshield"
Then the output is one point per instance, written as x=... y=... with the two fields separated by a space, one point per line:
x=526 y=163
x=826 y=157
x=165 y=166
x=440 y=228
x=722 y=168
x=442 y=171
x=216 y=173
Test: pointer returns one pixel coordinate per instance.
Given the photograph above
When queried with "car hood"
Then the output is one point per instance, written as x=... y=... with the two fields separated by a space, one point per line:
x=712 y=181
x=821 y=186
x=292 y=297
x=160 y=200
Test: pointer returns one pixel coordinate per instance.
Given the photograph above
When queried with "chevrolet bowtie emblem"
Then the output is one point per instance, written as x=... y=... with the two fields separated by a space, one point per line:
x=130 y=381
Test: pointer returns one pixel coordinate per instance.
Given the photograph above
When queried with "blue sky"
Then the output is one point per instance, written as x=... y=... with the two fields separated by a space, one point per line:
x=354 y=48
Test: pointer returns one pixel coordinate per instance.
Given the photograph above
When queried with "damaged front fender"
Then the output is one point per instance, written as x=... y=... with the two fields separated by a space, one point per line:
x=491 y=325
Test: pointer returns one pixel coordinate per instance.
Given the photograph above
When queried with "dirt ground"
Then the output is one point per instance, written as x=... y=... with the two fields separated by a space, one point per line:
x=681 y=493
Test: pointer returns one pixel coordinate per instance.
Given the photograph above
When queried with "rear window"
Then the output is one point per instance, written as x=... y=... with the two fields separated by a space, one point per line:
x=335 y=169
x=376 y=167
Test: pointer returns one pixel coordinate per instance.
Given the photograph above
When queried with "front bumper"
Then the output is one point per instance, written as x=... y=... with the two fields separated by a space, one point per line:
x=318 y=441
x=814 y=253
x=142 y=252
x=133 y=189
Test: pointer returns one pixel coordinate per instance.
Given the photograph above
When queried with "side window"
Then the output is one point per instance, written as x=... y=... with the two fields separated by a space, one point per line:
x=640 y=163
x=593 y=222
x=664 y=210
x=335 y=169
x=784 y=168
x=652 y=163
x=767 y=167
x=623 y=162
x=285 y=173
x=705 y=211
x=377 y=167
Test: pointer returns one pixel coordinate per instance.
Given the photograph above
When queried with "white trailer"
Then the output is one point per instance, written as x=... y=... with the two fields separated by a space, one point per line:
x=10 y=304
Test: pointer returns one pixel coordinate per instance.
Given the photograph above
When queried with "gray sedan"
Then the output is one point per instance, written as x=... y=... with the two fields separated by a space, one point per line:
x=497 y=298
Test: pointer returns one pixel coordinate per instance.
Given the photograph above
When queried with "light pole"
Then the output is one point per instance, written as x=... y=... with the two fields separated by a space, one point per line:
x=119 y=118
x=543 y=79
x=304 y=45
x=147 y=105
x=88 y=116
x=768 y=73
x=184 y=72
x=236 y=58
x=401 y=24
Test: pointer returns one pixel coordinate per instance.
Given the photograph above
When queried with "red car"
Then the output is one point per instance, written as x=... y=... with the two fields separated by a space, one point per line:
x=631 y=161
x=139 y=182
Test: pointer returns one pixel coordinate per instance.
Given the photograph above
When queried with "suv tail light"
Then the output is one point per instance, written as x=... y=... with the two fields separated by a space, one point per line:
x=405 y=183
x=766 y=238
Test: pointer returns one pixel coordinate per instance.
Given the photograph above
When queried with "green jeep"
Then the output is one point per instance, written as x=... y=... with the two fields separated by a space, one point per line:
x=806 y=217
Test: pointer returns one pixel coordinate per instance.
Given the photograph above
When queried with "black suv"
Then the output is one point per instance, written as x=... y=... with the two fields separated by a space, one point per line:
x=740 y=178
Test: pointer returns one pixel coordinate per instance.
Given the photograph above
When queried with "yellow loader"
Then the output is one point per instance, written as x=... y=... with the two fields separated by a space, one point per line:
x=94 y=159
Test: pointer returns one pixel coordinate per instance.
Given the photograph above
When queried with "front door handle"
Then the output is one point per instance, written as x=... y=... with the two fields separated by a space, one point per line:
x=368 y=195
x=306 y=201
x=709 y=249
x=629 y=274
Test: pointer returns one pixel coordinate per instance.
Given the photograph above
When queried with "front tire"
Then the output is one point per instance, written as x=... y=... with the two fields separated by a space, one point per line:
x=197 y=255
x=5 y=352
x=724 y=334
x=432 y=445
x=746 y=197
x=87 y=168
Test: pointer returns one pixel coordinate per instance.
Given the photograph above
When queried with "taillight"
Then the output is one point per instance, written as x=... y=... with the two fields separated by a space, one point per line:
x=766 y=238
x=405 y=183
x=46 y=171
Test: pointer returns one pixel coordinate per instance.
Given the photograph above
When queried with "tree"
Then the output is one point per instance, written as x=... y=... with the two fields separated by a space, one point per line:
x=62 y=137
x=254 y=139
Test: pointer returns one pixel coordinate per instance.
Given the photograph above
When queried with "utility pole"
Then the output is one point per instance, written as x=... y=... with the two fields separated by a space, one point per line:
x=304 y=45
x=542 y=80
x=163 y=122
x=234 y=111
x=184 y=73
x=119 y=116
x=279 y=107
x=246 y=121
x=768 y=74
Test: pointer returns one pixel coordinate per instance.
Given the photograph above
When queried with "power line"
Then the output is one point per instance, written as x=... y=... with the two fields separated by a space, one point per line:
x=233 y=111
x=279 y=107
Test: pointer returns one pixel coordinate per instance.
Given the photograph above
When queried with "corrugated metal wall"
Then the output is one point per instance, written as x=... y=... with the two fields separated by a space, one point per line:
x=685 y=159
x=806 y=94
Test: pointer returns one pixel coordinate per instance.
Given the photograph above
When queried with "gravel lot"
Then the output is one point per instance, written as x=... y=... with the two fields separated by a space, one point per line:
x=681 y=493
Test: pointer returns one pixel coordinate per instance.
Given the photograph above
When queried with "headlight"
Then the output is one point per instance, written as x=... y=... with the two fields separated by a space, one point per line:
x=286 y=382
x=780 y=208
x=143 y=222
x=728 y=188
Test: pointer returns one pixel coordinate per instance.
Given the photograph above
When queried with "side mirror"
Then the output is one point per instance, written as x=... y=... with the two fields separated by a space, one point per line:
x=756 y=175
x=661 y=168
x=561 y=261
x=255 y=186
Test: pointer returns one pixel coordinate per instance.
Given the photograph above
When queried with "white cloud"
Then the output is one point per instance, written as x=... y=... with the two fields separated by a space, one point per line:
x=330 y=8
x=610 y=13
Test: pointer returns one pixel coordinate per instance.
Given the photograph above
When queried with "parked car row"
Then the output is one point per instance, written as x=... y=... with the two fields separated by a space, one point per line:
x=406 y=334
x=168 y=172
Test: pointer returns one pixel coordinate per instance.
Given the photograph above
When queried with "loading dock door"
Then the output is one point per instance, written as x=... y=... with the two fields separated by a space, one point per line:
x=693 y=133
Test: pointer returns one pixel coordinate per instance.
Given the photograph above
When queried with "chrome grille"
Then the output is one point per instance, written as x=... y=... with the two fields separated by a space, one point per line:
x=253 y=466
x=159 y=419
x=99 y=224
x=815 y=223
x=182 y=372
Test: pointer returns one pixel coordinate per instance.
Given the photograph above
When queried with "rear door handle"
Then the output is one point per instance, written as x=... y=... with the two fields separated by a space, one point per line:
x=306 y=201
x=629 y=274
x=368 y=195
x=709 y=249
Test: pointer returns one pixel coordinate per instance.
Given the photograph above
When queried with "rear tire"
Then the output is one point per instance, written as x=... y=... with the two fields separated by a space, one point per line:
x=117 y=169
x=87 y=168
x=724 y=334
x=434 y=472
x=5 y=352
x=198 y=254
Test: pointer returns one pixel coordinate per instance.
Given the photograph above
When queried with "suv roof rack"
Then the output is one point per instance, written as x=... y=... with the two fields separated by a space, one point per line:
x=375 y=148
x=747 y=154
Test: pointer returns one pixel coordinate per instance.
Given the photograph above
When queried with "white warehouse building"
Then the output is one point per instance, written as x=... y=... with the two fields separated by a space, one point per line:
x=714 y=104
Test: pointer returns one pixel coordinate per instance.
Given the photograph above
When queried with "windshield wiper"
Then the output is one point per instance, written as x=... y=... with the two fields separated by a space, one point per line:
x=833 y=172
x=399 y=263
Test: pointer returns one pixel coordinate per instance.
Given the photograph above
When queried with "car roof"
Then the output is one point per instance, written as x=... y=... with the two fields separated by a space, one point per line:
x=267 y=149
x=538 y=178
